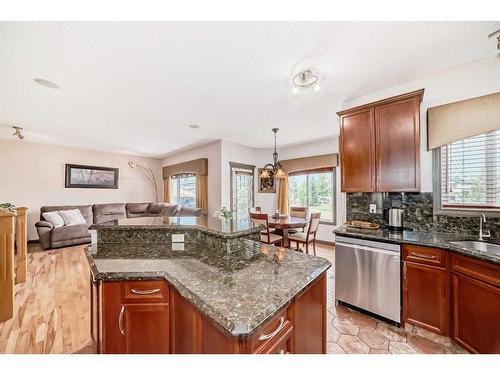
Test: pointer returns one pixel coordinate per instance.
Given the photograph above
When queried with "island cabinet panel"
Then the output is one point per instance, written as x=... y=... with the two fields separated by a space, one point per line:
x=309 y=317
x=380 y=145
x=357 y=151
x=475 y=304
x=397 y=134
x=425 y=288
x=186 y=325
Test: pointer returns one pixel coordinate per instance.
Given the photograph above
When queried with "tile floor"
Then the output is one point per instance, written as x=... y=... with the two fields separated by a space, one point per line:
x=352 y=332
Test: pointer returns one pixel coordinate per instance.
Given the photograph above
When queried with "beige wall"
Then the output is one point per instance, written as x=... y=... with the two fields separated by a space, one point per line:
x=32 y=175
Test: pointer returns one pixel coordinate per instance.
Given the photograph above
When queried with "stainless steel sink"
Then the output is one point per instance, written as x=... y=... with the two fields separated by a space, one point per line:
x=484 y=247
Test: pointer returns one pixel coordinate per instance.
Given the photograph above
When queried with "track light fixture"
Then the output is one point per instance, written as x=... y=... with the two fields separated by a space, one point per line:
x=18 y=132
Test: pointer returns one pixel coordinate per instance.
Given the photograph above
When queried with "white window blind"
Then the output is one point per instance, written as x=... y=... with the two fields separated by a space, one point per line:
x=470 y=172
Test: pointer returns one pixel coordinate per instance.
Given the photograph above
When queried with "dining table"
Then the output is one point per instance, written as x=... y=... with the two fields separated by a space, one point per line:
x=283 y=224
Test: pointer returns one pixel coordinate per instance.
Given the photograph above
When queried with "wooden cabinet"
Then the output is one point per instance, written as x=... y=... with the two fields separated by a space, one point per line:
x=151 y=317
x=357 y=142
x=475 y=304
x=380 y=145
x=425 y=288
x=135 y=317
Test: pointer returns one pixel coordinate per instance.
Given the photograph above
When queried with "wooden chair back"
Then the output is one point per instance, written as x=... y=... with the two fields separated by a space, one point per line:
x=256 y=209
x=313 y=224
x=260 y=219
x=298 y=212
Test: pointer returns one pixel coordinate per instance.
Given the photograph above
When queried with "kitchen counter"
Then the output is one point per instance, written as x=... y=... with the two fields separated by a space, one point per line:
x=239 y=290
x=209 y=225
x=432 y=239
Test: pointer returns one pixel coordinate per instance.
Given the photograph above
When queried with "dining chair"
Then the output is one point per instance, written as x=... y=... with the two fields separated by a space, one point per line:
x=310 y=236
x=256 y=209
x=300 y=212
x=266 y=236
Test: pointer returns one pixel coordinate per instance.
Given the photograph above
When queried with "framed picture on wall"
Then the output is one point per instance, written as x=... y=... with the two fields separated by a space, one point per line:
x=267 y=184
x=87 y=176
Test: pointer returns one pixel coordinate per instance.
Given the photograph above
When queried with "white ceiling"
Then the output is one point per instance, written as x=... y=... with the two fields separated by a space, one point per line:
x=135 y=87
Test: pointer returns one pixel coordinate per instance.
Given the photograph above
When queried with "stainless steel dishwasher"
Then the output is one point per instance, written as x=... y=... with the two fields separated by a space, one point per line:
x=367 y=275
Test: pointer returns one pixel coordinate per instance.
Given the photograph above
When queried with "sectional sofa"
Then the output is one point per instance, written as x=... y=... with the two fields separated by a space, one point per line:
x=51 y=237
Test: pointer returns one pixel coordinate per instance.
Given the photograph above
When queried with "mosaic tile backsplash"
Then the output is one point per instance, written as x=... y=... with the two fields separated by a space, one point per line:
x=418 y=213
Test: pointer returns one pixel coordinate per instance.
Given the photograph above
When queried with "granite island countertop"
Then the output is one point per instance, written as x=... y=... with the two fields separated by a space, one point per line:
x=430 y=238
x=210 y=225
x=239 y=291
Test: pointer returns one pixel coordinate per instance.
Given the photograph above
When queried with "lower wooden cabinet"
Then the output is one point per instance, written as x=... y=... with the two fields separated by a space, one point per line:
x=151 y=317
x=425 y=288
x=425 y=297
x=475 y=304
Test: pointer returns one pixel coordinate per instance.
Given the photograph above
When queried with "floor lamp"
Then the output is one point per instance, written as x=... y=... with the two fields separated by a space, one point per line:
x=149 y=173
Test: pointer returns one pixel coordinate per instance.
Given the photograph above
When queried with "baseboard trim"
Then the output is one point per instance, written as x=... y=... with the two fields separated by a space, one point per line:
x=326 y=243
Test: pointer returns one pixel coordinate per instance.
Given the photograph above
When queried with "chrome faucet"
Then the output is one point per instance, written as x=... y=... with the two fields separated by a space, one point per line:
x=482 y=219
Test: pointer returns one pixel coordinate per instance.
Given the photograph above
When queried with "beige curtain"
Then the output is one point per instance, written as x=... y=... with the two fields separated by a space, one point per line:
x=283 y=196
x=202 y=192
x=166 y=189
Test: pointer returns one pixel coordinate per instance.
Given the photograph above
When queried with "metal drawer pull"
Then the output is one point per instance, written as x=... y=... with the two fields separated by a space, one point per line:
x=423 y=256
x=144 y=291
x=274 y=333
x=120 y=320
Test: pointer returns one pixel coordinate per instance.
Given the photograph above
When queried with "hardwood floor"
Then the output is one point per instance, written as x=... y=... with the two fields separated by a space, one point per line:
x=52 y=307
x=52 y=314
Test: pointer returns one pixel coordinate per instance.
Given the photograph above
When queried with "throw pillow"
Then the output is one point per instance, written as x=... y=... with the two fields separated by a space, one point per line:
x=54 y=218
x=72 y=217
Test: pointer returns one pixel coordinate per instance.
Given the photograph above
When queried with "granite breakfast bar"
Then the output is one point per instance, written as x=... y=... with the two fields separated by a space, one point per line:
x=218 y=291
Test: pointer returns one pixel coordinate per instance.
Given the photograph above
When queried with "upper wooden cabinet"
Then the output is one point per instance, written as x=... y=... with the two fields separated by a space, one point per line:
x=380 y=145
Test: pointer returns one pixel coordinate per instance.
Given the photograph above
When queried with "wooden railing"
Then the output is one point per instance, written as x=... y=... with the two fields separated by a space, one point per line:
x=12 y=225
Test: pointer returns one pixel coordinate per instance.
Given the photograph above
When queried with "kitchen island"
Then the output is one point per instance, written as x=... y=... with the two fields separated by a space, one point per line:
x=219 y=291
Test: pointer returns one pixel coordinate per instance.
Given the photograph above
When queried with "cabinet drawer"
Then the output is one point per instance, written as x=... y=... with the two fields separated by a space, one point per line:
x=145 y=291
x=279 y=343
x=478 y=269
x=271 y=331
x=425 y=255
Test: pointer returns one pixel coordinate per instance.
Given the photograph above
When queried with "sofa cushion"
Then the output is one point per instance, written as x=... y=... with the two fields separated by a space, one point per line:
x=72 y=217
x=137 y=209
x=190 y=211
x=54 y=218
x=108 y=211
x=85 y=210
x=69 y=232
x=162 y=209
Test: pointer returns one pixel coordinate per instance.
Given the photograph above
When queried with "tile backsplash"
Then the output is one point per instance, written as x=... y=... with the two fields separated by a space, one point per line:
x=418 y=213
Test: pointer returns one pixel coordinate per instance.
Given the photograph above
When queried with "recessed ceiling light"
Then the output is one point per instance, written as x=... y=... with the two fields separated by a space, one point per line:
x=46 y=83
x=194 y=126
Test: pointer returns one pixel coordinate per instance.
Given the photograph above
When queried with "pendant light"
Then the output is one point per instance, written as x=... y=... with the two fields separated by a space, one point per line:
x=276 y=168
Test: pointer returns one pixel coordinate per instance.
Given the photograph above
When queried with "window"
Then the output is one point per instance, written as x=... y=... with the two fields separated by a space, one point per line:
x=242 y=189
x=470 y=173
x=183 y=189
x=315 y=190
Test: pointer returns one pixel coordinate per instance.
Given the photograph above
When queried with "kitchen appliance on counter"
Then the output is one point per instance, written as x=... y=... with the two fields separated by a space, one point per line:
x=394 y=217
x=367 y=276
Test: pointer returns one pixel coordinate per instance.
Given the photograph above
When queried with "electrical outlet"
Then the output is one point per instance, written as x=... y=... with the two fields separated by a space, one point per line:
x=177 y=238
x=373 y=208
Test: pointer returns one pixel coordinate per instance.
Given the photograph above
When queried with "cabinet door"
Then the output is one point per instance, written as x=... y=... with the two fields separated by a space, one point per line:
x=425 y=297
x=475 y=314
x=357 y=151
x=397 y=137
x=146 y=328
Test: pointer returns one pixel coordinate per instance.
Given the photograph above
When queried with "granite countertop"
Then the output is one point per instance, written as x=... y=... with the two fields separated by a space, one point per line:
x=214 y=226
x=430 y=238
x=239 y=291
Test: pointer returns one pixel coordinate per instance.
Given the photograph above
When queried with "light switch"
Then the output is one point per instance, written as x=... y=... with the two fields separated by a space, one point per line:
x=177 y=238
x=373 y=208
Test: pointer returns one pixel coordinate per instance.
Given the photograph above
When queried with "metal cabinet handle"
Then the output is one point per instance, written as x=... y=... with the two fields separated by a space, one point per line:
x=275 y=332
x=120 y=320
x=423 y=256
x=144 y=291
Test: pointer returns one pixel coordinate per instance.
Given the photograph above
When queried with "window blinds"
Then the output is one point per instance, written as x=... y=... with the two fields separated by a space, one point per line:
x=470 y=172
